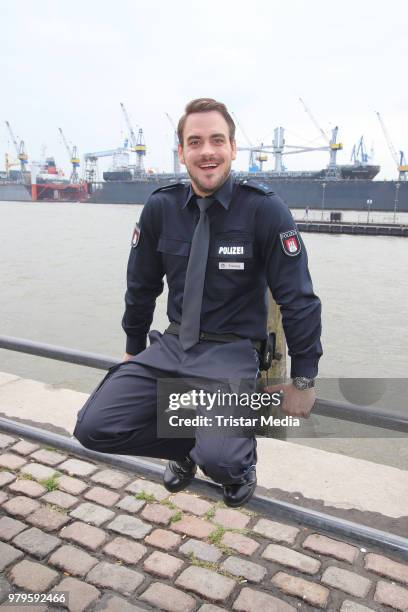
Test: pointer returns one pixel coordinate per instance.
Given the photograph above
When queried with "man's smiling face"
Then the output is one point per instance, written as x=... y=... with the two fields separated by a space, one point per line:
x=207 y=151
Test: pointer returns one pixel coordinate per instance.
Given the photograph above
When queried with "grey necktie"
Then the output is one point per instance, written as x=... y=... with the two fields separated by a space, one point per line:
x=194 y=285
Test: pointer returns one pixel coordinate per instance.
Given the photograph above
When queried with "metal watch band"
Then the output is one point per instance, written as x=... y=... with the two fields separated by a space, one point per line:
x=302 y=382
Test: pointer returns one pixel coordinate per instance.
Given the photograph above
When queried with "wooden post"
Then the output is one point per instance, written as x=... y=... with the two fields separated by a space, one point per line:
x=277 y=373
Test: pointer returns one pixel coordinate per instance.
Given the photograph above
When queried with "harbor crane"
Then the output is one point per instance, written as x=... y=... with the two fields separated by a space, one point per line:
x=256 y=154
x=9 y=163
x=138 y=144
x=20 y=150
x=140 y=150
x=119 y=156
x=279 y=148
x=176 y=161
x=400 y=160
x=332 y=143
x=74 y=159
x=359 y=153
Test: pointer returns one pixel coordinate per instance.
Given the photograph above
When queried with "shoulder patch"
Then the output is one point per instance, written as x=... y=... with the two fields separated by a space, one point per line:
x=136 y=236
x=290 y=242
x=257 y=186
x=168 y=187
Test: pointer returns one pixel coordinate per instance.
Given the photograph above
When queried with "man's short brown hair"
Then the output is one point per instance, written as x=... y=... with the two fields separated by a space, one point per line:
x=205 y=105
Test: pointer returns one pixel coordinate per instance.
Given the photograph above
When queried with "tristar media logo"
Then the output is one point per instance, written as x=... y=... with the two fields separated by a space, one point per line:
x=290 y=242
x=136 y=236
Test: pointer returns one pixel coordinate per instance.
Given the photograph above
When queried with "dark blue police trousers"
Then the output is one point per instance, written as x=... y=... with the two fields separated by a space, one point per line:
x=120 y=416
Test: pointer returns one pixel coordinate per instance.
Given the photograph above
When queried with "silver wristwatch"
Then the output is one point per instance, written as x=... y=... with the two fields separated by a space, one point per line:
x=302 y=382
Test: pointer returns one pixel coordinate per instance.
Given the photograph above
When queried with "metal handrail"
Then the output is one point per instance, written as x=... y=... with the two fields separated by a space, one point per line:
x=60 y=353
x=365 y=415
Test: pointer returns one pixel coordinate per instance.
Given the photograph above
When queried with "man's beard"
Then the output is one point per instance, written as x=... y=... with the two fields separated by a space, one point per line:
x=203 y=188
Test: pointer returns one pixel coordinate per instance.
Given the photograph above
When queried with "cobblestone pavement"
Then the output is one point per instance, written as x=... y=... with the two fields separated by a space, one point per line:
x=118 y=542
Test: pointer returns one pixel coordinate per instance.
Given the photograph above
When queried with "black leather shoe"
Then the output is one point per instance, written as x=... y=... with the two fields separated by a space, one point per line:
x=179 y=474
x=240 y=493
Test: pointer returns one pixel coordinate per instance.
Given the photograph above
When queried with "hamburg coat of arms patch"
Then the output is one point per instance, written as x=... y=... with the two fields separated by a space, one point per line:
x=290 y=242
x=136 y=236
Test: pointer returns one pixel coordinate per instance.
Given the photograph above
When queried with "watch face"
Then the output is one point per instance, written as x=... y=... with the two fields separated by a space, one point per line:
x=299 y=383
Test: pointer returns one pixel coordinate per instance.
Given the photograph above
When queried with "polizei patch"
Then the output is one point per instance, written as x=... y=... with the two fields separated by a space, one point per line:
x=290 y=242
x=136 y=236
x=230 y=250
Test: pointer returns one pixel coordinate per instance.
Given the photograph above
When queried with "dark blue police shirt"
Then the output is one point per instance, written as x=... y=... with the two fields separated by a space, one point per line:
x=246 y=256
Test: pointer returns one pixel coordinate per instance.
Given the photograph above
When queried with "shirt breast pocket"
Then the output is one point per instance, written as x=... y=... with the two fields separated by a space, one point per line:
x=175 y=255
x=231 y=261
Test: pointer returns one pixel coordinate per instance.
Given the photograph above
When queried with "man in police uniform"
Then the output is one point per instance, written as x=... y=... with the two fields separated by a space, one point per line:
x=220 y=243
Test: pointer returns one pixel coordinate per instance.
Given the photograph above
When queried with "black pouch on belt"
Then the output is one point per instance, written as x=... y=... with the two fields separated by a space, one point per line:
x=267 y=351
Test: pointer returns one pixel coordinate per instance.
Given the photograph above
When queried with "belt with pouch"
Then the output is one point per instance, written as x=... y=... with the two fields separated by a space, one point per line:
x=266 y=348
x=174 y=329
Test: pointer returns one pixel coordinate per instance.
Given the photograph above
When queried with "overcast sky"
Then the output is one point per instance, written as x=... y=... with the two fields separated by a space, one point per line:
x=71 y=63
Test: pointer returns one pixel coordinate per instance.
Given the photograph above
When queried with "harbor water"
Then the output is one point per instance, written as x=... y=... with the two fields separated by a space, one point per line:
x=63 y=276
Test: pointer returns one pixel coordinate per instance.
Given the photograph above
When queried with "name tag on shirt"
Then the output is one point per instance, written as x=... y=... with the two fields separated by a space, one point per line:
x=231 y=265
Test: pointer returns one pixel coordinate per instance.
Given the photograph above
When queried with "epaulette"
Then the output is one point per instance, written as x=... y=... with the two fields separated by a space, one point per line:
x=257 y=185
x=167 y=187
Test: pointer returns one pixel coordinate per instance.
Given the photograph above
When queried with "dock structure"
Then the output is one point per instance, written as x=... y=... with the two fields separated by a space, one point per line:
x=362 y=229
x=323 y=531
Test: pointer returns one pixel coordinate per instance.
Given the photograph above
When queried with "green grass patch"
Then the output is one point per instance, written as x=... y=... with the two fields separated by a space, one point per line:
x=148 y=497
x=226 y=550
x=51 y=483
x=169 y=504
x=243 y=531
x=212 y=566
x=215 y=536
x=57 y=508
x=210 y=513
x=176 y=517
x=25 y=476
x=199 y=563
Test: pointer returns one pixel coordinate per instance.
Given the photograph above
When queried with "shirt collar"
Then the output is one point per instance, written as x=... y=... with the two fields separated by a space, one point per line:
x=223 y=195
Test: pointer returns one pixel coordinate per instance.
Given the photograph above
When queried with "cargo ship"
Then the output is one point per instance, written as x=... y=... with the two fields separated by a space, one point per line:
x=352 y=188
x=45 y=183
x=336 y=187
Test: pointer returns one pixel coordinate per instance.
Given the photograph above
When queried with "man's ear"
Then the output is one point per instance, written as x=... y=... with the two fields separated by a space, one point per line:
x=181 y=154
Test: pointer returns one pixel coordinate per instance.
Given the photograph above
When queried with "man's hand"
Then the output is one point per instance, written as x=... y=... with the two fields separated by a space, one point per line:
x=127 y=356
x=295 y=403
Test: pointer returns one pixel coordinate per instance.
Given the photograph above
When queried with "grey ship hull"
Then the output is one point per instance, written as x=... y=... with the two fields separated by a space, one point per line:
x=15 y=192
x=296 y=192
